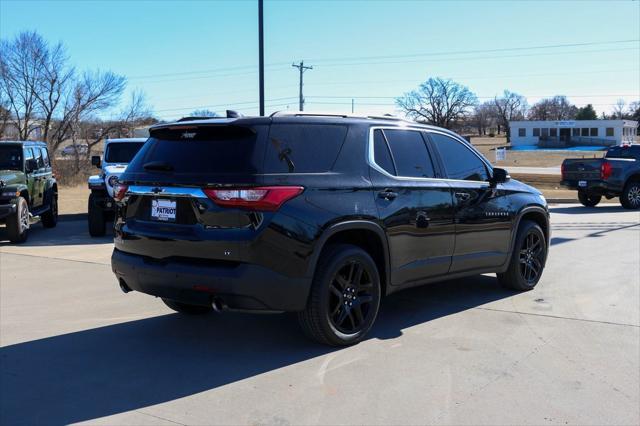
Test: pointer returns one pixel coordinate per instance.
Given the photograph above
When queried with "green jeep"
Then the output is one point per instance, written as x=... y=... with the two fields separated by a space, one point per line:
x=27 y=188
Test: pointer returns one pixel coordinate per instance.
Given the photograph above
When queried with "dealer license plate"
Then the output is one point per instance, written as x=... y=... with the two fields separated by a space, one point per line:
x=163 y=210
x=582 y=183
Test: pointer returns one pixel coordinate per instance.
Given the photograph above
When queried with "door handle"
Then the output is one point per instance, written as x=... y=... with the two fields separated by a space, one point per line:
x=463 y=196
x=387 y=194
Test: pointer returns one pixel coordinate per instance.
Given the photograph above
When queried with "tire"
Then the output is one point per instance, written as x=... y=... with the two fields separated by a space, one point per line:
x=345 y=276
x=630 y=198
x=588 y=200
x=50 y=217
x=18 y=223
x=529 y=256
x=97 y=223
x=185 y=308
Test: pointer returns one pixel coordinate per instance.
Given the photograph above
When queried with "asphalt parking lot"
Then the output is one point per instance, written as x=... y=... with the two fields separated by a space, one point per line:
x=74 y=348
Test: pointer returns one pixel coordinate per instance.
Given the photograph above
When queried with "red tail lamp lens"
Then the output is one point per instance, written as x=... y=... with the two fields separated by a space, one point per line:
x=605 y=170
x=263 y=198
x=119 y=191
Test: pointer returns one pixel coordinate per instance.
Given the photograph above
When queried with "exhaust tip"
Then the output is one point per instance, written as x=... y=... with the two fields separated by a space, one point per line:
x=218 y=305
x=123 y=286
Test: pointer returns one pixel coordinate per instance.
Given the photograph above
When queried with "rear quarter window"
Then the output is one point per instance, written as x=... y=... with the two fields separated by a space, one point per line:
x=624 y=152
x=303 y=148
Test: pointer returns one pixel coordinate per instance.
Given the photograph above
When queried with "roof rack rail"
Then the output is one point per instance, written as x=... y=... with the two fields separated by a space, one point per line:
x=336 y=114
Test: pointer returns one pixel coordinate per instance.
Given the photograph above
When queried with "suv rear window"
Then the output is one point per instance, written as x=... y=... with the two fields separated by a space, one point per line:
x=122 y=152
x=200 y=152
x=303 y=148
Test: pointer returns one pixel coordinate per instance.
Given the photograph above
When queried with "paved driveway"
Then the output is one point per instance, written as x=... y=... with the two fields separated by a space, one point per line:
x=73 y=348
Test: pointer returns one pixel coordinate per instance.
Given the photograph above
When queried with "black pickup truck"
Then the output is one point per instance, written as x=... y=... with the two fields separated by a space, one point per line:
x=615 y=175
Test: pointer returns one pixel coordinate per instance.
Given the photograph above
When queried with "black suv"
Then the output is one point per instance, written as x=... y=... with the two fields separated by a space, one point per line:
x=320 y=215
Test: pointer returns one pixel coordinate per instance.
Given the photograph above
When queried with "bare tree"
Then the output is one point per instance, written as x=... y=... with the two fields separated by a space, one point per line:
x=556 y=108
x=5 y=116
x=619 y=109
x=136 y=113
x=483 y=117
x=510 y=106
x=93 y=92
x=20 y=61
x=438 y=101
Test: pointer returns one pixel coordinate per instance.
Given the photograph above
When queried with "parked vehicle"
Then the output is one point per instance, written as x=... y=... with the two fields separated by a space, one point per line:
x=319 y=215
x=101 y=207
x=615 y=175
x=27 y=188
x=74 y=149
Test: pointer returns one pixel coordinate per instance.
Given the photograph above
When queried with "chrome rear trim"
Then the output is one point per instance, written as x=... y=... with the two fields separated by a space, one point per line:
x=166 y=191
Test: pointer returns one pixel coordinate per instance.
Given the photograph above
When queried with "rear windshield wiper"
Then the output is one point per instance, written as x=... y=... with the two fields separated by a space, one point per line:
x=162 y=166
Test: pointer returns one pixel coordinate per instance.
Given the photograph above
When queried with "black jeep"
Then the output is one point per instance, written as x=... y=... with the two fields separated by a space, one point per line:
x=27 y=188
x=319 y=215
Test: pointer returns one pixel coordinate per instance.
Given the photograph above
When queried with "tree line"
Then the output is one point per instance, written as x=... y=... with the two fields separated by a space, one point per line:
x=40 y=91
x=446 y=103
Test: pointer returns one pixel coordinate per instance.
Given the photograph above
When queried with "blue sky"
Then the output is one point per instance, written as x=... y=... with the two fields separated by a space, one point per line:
x=203 y=54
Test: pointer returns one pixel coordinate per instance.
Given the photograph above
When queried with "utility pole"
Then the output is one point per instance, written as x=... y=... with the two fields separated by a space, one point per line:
x=261 y=57
x=352 y=102
x=302 y=68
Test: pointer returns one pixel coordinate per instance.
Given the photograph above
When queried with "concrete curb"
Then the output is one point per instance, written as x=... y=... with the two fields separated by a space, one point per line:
x=562 y=200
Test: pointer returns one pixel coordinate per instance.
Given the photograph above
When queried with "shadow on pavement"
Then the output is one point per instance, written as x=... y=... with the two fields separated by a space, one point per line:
x=67 y=232
x=122 y=367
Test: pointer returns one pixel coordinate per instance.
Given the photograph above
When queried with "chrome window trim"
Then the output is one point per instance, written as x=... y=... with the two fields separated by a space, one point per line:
x=372 y=163
x=171 y=191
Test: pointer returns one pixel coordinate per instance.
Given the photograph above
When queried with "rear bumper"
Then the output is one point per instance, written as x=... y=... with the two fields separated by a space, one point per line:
x=240 y=286
x=6 y=210
x=598 y=187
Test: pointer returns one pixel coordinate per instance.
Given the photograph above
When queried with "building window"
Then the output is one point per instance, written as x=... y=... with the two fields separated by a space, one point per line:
x=576 y=132
x=594 y=131
x=545 y=133
x=536 y=132
x=584 y=132
x=609 y=131
x=522 y=133
x=554 y=133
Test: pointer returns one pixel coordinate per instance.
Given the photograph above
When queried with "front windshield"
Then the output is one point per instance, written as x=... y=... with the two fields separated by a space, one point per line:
x=122 y=152
x=10 y=157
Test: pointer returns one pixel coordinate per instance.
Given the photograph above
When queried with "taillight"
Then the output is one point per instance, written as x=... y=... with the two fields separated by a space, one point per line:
x=119 y=191
x=264 y=198
x=605 y=170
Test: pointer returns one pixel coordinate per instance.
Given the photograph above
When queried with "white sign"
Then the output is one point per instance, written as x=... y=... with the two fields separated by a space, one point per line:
x=164 y=210
x=565 y=123
x=501 y=154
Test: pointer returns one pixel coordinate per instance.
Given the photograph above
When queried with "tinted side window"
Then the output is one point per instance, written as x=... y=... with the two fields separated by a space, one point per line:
x=28 y=154
x=410 y=153
x=303 y=148
x=45 y=157
x=382 y=156
x=38 y=156
x=459 y=161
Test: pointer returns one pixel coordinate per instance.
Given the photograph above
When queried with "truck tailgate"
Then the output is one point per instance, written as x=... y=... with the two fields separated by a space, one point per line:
x=581 y=169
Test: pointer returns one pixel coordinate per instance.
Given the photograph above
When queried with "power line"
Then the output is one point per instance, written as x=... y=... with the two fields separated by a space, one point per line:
x=338 y=59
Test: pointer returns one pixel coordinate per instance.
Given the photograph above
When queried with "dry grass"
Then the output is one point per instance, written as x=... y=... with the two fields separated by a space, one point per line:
x=67 y=173
x=73 y=199
x=487 y=147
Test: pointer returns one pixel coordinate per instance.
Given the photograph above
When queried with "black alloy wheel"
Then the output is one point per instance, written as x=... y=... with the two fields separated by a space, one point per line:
x=344 y=298
x=531 y=258
x=351 y=299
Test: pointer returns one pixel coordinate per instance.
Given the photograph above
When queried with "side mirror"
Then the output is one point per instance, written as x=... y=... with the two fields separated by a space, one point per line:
x=95 y=161
x=31 y=165
x=499 y=176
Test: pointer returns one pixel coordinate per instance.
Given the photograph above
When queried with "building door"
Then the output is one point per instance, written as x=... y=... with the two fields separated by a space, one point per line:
x=565 y=135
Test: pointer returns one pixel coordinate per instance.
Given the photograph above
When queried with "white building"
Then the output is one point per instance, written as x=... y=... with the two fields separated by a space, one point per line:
x=573 y=132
